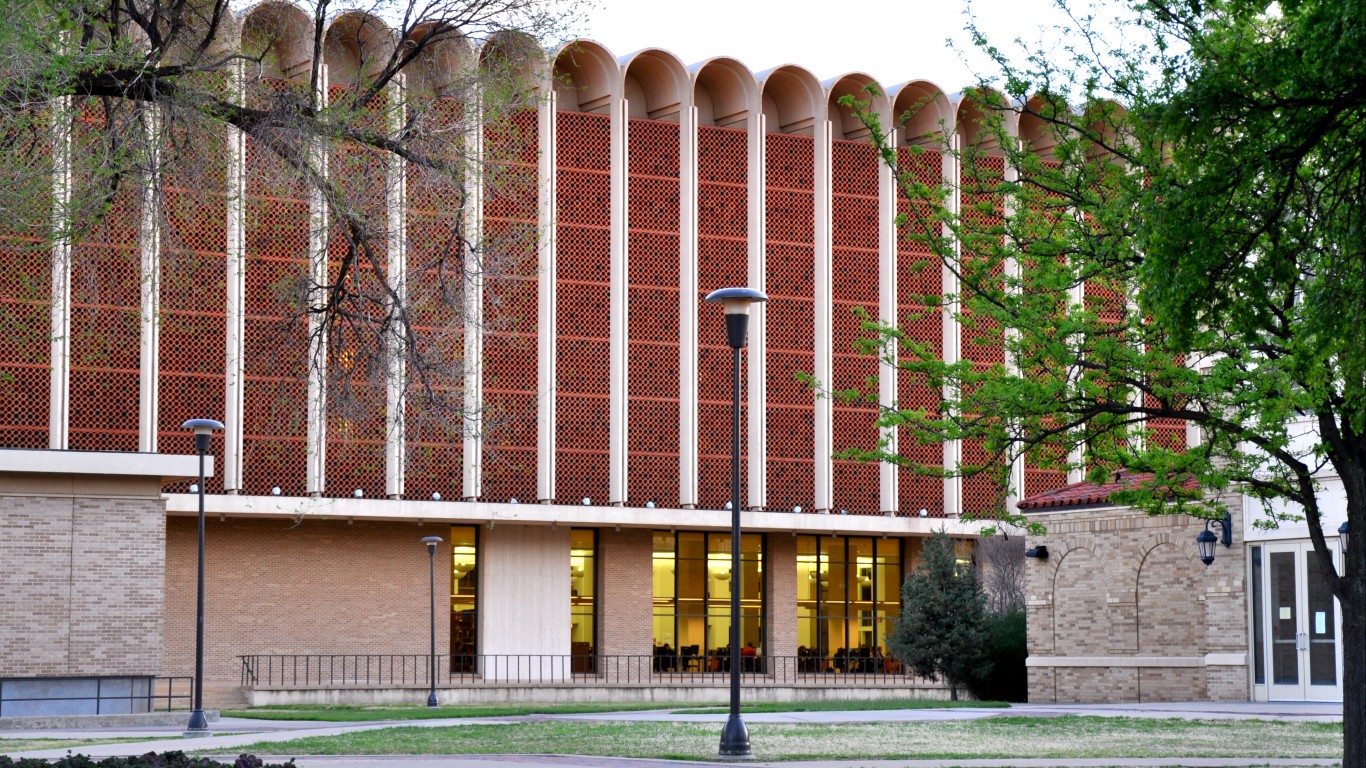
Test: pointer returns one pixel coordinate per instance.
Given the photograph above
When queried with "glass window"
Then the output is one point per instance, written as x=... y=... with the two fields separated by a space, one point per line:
x=1258 y=631
x=693 y=580
x=464 y=596
x=583 y=579
x=848 y=594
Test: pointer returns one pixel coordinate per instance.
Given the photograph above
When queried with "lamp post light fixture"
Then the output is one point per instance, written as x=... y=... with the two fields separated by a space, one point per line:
x=1206 y=539
x=736 y=302
x=431 y=542
x=203 y=434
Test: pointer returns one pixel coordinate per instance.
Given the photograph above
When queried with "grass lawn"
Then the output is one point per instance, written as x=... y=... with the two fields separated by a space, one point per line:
x=1001 y=737
x=355 y=714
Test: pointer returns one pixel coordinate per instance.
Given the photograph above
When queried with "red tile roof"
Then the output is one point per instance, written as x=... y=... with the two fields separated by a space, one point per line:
x=1087 y=493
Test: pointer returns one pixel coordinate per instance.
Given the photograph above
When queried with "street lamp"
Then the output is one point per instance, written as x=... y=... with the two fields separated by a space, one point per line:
x=736 y=302
x=203 y=434
x=431 y=542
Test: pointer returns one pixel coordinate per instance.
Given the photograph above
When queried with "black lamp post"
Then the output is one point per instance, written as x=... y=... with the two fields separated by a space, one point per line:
x=1206 y=539
x=736 y=302
x=1342 y=538
x=431 y=542
x=203 y=434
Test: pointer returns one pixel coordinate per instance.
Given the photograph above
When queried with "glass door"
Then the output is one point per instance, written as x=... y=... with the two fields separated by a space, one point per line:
x=1301 y=627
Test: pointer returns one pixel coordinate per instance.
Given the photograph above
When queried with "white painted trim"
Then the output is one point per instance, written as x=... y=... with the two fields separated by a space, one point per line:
x=1226 y=659
x=688 y=294
x=316 y=441
x=396 y=253
x=950 y=167
x=1076 y=457
x=823 y=413
x=472 y=430
x=235 y=307
x=757 y=349
x=568 y=515
x=617 y=300
x=888 y=295
x=546 y=298
x=149 y=283
x=59 y=354
x=1122 y=662
x=114 y=463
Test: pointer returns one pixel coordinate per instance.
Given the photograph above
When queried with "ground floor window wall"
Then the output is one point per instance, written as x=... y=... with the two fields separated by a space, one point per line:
x=464 y=595
x=848 y=596
x=692 y=593
x=583 y=590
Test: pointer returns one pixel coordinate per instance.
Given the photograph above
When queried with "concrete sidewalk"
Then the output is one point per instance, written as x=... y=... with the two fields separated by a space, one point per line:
x=248 y=731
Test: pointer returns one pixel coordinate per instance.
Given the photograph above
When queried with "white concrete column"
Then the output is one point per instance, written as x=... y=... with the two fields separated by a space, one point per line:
x=546 y=298
x=688 y=295
x=235 y=301
x=951 y=168
x=59 y=354
x=149 y=265
x=472 y=431
x=1076 y=458
x=823 y=332
x=524 y=598
x=887 y=380
x=1015 y=483
x=757 y=348
x=618 y=346
x=316 y=441
x=396 y=253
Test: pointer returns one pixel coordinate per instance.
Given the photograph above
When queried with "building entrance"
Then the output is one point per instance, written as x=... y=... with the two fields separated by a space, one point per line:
x=1298 y=627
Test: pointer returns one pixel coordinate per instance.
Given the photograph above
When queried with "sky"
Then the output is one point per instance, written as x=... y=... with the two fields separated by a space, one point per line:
x=892 y=41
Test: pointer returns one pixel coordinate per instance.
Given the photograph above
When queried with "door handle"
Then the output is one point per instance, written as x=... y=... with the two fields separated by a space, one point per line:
x=1302 y=641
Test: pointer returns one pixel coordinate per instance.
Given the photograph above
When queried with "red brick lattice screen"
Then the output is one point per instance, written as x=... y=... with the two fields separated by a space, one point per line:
x=106 y=291
x=193 y=220
x=855 y=267
x=652 y=320
x=790 y=243
x=275 y=348
x=583 y=331
x=722 y=262
x=919 y=273
x=25 y=288
x=437 y=264
x=510 y=314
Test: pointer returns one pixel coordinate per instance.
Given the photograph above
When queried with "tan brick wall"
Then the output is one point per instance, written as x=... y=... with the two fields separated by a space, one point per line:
x=1119 y=583
x=81 y=589
x=321 y=587
x=781 y=568
x=626 y=592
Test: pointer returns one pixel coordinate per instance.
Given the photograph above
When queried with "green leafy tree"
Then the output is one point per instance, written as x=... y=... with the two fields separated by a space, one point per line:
x=1178 y=238
x=942 y=629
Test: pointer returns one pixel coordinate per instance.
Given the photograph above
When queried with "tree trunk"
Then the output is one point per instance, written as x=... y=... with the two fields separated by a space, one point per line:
x=1354 y=657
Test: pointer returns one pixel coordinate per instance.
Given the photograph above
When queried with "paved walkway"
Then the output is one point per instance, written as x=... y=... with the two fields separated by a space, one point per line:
x=247 y=731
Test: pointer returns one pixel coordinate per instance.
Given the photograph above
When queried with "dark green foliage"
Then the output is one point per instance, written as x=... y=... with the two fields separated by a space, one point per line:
x=1005 y=679
x=150 y=760
x=942 y=630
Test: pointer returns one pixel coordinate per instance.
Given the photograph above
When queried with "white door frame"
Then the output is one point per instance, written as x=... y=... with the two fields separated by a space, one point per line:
x=1312 y=629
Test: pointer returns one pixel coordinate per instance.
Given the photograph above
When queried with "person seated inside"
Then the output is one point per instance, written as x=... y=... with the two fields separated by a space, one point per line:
x=748 y=658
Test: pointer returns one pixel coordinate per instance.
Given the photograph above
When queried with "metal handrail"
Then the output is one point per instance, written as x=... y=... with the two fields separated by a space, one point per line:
x=413 y=669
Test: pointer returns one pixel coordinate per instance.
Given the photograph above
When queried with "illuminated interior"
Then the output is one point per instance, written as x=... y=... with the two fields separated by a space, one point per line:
x=583 y=584
x=692 y=591
x=848 y=595
x=464 y=594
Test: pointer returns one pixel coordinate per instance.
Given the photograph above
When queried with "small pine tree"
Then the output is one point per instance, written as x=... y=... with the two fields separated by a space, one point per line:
x=942 y=630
